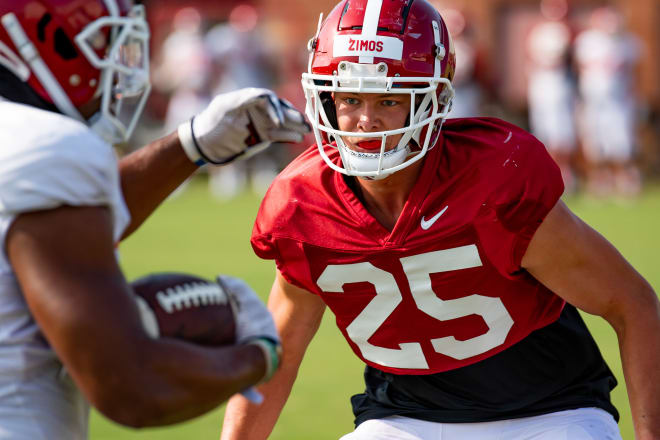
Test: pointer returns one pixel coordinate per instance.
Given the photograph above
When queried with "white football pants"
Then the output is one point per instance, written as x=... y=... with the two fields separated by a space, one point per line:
x=578 y=424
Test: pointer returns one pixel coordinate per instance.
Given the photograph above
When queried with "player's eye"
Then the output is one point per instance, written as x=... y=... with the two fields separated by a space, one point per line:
x=389 y=103
x=351 y=101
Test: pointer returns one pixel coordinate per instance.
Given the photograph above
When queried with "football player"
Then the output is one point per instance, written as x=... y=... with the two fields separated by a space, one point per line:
x=74 y=76
x=452 y=266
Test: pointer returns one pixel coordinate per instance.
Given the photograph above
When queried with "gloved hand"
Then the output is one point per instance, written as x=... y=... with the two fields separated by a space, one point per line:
x=240 y=124
x=254 y=325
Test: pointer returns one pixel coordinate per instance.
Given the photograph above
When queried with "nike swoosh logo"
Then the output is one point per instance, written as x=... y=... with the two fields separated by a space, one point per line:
x=428 y=223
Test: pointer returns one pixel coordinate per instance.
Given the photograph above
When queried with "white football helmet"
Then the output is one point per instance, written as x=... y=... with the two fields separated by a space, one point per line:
x=383 y=47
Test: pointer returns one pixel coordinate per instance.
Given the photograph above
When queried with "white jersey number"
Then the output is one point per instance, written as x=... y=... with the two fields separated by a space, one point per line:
x=388 y=296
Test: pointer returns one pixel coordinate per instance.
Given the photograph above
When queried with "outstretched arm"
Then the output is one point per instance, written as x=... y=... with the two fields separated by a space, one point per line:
x=65 y=265
x=581 y=266
x=150 y=174
x=235 y=125
x=297 y=316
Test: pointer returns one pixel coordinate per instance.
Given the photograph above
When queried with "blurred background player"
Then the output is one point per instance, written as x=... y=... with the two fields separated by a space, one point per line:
x=183 y=73
x=468 y=93
x=551 y=90
x=70 y=332
x=450 y=263
x=184 y=69
x=607 y=55
x=202 y=57
x=241 y=57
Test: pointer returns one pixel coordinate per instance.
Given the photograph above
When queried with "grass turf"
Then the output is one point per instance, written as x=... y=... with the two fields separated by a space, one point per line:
x=193 y=233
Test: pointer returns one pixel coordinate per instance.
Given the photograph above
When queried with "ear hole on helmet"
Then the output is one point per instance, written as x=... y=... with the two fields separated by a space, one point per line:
x=41 y=27
x=330 y=109
x=63 y=45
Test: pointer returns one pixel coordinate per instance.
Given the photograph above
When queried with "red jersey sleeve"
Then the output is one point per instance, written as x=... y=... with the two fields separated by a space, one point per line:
x=270 y=247
x=262 y=243
x=525 y=185
x=275 y=212
x=274 y=236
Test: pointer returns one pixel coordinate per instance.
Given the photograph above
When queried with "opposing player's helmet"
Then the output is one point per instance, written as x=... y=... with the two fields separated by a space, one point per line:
x=71 y=52
x=380 y=46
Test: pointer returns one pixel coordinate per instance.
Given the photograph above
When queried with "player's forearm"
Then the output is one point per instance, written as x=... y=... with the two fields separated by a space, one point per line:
x=189 y=381
x=240 y=416
x=297 y=315
x=150 y=174
x=639 y=340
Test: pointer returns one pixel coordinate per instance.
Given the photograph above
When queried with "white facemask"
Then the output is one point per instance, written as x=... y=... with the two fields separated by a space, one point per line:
x=426 y=116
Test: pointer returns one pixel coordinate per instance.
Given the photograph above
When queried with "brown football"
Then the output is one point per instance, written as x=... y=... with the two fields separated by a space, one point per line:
x=186 y=307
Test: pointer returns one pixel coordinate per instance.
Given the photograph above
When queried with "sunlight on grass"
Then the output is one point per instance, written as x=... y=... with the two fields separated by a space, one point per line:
x=193 y=233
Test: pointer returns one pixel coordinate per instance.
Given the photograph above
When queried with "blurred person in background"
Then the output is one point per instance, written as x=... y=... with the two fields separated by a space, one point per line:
x=606 y=55
x=184 y=71
x=70 y=330
x=291 y=62
x=551 y=89
x=442 y=247
x=467 y=88
x=240 y=57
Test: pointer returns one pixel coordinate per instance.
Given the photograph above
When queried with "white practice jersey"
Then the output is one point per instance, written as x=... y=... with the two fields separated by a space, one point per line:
x=606 y=66
x=46 y=160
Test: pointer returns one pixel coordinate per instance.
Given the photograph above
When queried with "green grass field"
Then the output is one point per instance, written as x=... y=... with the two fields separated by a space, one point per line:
x=193 y=233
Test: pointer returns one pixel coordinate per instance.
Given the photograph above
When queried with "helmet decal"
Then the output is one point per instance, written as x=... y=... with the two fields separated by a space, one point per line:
x=368 y=47
x=369 y=44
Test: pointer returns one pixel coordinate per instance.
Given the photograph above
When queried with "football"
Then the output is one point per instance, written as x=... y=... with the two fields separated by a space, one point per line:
x=187 y=307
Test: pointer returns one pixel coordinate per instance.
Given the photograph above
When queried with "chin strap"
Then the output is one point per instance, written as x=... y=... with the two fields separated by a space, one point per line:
x=361 y=162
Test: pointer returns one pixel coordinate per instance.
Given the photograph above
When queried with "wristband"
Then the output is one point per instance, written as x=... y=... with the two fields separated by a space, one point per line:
x=272 y=352
x=253 y=395
x=189 y=144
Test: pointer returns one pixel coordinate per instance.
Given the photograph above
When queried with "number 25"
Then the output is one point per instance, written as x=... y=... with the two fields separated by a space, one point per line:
x=418 y=269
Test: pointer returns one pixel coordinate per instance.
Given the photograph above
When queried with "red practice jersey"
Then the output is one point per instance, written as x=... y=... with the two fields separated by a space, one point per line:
x=443 y=289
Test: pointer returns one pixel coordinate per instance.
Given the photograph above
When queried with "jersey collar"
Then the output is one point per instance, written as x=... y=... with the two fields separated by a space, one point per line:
x=411 y=210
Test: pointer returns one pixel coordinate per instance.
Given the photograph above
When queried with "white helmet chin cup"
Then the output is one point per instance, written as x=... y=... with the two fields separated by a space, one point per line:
x=368 y=163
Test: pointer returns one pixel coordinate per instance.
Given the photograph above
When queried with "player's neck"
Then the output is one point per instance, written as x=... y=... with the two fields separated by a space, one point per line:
x=385 y=199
